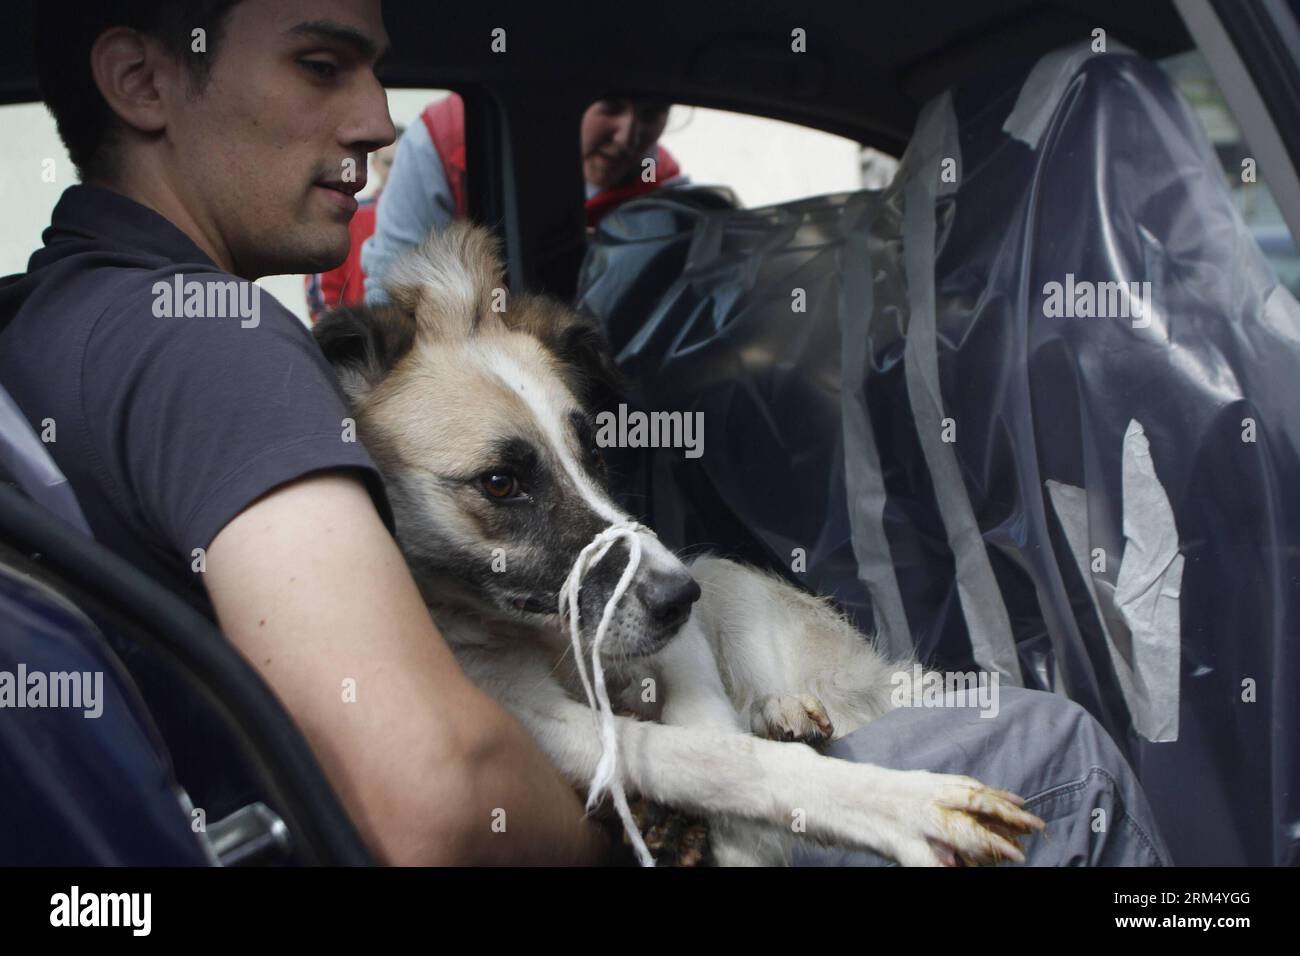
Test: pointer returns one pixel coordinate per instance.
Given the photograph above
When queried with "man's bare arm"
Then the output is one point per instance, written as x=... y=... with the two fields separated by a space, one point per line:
x=309 y=585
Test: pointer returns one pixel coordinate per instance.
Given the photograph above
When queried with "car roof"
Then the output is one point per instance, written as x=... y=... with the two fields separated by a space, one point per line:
x=868 y=68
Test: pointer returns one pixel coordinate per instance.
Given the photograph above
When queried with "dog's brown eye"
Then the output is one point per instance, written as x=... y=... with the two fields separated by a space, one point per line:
x=500 y=484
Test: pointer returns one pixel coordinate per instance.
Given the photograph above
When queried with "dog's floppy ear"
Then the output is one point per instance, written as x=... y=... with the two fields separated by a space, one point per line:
x=364 y=344
x=579 y=345
x=584 y=348
x=450 y=282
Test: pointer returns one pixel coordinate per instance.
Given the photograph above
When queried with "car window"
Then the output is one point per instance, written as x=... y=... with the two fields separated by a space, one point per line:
x=766 y=161
x=1247 y=181
x=758 y=161
x=34 y=171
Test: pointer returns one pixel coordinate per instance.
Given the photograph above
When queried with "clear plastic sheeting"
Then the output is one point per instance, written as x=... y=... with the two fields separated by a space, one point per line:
x=737 y=315
x=1078 y=462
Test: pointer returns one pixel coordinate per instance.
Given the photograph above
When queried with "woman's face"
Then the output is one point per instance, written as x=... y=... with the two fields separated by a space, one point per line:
x=616 y=134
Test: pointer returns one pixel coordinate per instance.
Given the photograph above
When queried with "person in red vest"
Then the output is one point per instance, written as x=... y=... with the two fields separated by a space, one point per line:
x=426 y=190
x=345 y=284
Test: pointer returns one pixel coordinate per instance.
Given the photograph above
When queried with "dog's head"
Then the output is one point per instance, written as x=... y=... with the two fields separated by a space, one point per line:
x=477 y=408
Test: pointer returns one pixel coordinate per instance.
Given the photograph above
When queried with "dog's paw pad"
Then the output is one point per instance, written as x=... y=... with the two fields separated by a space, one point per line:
x=792 y=718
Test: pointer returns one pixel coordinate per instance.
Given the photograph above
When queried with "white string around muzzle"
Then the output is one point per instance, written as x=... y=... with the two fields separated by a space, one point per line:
x=606 y=775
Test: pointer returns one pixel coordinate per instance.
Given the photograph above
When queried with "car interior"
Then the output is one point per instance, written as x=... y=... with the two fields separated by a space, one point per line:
x=1072 y=504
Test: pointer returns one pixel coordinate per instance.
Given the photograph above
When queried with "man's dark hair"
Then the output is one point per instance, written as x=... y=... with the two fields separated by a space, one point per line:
x=65 y=32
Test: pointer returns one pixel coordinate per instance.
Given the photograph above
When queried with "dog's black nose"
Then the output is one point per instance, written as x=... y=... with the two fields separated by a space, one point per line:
x=669 y=598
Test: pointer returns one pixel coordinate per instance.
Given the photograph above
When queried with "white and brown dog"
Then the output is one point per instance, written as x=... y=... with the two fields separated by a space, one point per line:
x=478 y=412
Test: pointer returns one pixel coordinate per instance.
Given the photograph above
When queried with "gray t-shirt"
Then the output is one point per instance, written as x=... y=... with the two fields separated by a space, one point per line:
x=175 y=394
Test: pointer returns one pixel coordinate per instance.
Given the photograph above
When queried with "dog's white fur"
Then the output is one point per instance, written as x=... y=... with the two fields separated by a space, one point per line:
x=757 y=658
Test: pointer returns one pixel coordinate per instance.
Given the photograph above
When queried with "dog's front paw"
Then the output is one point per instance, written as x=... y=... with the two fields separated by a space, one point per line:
x=792 y=718
x=960 y=822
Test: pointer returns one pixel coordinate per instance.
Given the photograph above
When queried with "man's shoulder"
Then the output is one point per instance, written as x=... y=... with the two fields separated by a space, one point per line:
x=231 y=383
x=207 y=294
x=202 y=342
x=203 y=307
x=138 y=290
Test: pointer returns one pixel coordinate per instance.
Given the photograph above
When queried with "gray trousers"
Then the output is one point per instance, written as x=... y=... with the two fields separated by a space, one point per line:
x=1042 y=746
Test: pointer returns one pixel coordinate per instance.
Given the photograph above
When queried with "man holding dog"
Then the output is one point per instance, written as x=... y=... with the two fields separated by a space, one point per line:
x=225 y=140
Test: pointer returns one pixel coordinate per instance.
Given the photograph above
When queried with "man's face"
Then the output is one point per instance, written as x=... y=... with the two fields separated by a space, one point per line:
x=276 y=144
x=616 y=134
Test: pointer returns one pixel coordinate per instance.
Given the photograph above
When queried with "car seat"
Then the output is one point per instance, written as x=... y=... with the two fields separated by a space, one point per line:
x=178 y=705
x=910 y=389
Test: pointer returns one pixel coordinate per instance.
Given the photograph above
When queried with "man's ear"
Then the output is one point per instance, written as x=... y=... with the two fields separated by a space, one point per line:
x=136 y=77
x=364 y=344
